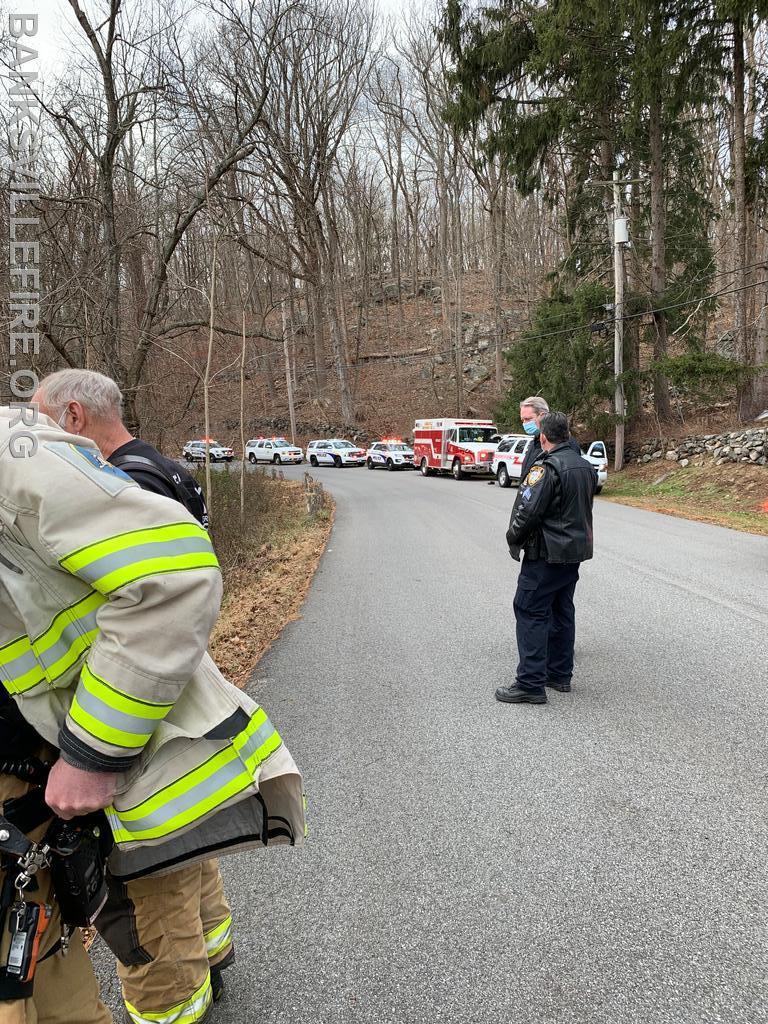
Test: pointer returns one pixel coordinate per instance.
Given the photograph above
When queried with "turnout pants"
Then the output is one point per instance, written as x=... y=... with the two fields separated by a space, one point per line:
x=546 y=623
x=179 y=926
x=65 y=990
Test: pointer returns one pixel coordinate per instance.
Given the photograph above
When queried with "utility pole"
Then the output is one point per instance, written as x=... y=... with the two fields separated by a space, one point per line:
x=620 y=239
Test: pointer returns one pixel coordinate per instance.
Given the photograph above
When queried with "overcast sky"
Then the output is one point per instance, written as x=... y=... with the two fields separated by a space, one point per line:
x=56 y=21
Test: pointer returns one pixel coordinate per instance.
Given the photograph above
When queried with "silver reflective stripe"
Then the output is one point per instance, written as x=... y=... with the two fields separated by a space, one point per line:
x=261 y=735
x=69 y=635
x=186 y=801
x=109 y=716
x=186 y=1012
x=140 y=552
x=19 y=666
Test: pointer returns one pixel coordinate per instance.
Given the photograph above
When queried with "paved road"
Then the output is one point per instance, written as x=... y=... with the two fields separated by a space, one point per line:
x=601 y=859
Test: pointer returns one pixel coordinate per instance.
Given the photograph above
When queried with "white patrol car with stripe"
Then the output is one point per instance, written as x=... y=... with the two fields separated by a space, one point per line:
x=334 y=451
x=508 y=458
x=390 y=453
x=273 y=449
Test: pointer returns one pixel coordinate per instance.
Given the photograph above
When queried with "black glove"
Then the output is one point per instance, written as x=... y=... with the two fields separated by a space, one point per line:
x=17 y=737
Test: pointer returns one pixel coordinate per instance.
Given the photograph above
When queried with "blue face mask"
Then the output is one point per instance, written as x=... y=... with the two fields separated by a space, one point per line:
x=530 y=427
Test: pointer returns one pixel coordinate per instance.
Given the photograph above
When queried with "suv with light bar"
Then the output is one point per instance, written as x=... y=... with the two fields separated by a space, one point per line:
x=194 y=451
x=273 y=449
x=389 y=453
x=334 y=451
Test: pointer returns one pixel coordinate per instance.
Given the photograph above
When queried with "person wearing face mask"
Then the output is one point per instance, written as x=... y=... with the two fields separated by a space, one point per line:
x=531 y=411
x=89 y=404
x=108 y=595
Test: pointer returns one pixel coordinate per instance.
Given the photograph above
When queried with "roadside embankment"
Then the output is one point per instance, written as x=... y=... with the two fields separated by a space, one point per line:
x=738 y=446
x=268 y=558
x=724 y=493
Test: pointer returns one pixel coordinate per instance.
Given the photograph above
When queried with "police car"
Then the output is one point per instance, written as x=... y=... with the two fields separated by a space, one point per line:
x=273 y=449
x=194 y=451
x=334 y=452
x=390 y=453
x=508 y=459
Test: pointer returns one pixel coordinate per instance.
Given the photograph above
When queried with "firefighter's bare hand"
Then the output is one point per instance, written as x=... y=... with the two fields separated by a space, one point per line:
x=71 y=791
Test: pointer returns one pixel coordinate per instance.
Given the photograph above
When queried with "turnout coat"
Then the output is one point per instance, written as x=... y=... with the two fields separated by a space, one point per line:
x=108 y=594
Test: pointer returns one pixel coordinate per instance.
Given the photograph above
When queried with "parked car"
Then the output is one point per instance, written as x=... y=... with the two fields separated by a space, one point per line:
x=194 y=451
x=508 y=458
x=273 y=449
x=598 y=456
x=390 y=453
x=334 y=452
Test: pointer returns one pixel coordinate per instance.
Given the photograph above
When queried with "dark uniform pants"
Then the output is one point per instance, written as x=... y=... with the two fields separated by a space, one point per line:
x=546 y=623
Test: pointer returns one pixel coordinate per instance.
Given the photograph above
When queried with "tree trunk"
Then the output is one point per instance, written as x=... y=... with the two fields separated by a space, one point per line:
x=658 y=254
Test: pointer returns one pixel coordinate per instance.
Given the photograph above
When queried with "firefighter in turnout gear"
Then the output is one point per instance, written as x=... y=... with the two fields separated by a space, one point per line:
x=89 y=404
x=551 y=524
x=107 y=598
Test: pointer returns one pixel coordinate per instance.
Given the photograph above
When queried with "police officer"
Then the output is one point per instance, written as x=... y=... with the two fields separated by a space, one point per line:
x=551 y=524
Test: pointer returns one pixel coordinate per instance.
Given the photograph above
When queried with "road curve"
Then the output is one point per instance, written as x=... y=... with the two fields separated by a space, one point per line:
x=601 y=859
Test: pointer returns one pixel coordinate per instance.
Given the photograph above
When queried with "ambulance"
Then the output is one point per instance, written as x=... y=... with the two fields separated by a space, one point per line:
x=459 y=447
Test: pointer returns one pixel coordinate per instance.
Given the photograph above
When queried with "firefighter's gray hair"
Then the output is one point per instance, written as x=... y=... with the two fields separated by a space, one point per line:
x=95 y=392
x=537 y=403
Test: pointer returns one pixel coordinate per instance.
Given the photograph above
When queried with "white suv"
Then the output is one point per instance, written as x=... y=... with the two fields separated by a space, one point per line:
x=194 y=451
x=334 y=452
x=389 y=455
x=508 y=458
x=273 y=449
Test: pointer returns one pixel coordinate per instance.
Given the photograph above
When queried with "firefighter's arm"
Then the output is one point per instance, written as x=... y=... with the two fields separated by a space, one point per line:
x=155 y=590
x=532 y=502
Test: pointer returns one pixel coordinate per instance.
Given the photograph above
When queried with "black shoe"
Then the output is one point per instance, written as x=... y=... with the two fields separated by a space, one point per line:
x=217 y=981
x=517 y=695
x=562 y=685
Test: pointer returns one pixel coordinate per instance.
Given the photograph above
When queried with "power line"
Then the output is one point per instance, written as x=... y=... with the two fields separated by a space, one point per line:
x=453 y=351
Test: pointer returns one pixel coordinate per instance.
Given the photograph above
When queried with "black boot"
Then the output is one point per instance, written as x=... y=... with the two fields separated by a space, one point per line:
x=562 y=685
x=217 y=981
x=517 y=695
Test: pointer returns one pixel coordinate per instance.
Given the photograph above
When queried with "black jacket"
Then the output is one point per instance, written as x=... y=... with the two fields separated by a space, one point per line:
x=535 y=451
x=552 y=514
x=154 y=472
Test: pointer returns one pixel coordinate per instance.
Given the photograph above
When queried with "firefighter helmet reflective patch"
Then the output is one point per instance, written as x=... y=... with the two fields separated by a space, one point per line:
x=536 y=473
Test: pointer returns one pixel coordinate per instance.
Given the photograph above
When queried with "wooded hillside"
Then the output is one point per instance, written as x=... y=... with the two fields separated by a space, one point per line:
x=403 y=217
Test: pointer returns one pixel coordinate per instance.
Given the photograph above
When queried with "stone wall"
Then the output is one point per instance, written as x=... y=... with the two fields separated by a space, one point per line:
x=749 y=446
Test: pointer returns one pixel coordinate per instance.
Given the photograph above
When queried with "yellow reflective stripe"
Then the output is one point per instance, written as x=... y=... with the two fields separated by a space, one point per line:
x=19 y=667
x=154 y=567
x=25 y=664
x=69 y=636
x=118 y=561
x=218 y=938
x=186 y=1012
x=201 y=790
x=113 y=716
x=79 y=559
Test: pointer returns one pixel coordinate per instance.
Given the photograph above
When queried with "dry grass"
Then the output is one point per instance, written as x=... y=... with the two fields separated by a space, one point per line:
x=268 y=566
x=735 y=496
